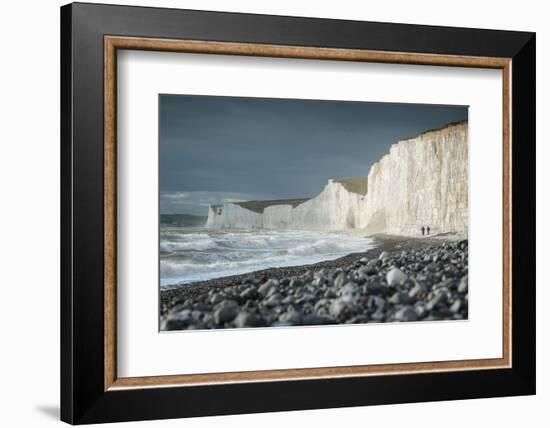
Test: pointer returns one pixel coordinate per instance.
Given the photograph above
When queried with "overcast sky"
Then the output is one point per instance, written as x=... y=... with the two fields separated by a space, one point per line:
x=219 y=149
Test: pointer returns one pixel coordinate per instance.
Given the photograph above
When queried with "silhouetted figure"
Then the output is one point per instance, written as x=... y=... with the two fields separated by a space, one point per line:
x=422 y=229
x=428 y=229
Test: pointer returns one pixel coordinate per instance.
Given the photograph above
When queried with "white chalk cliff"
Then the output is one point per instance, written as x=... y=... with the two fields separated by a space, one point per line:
x=339 y=206
x=423 y=181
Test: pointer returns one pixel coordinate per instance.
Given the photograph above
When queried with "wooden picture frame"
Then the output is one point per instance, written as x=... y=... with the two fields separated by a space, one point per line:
x=91 y=390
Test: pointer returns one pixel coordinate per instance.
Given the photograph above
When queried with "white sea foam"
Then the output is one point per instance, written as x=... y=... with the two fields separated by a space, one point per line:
x=189 y=255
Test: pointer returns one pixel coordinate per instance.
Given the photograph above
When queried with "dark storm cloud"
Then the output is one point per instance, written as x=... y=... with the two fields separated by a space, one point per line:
x=216 y=149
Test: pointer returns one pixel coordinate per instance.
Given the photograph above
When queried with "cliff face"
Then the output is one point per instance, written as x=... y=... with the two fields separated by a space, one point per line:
x=278 y=217
x=233 y=216
x=421 y=182
x=335 y=208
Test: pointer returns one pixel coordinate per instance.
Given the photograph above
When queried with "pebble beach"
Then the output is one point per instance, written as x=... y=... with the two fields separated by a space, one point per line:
x=400 y=280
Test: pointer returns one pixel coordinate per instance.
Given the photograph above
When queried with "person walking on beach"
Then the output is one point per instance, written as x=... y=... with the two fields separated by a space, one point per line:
x=422 y=229
x=428 y=229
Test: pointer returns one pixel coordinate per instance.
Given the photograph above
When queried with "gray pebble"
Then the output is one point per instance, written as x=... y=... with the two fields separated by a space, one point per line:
x=340 y=280
x=420 y=310
x=350 y=292
x=273 y=300
x=395 y=277
x=267 y=286
x=340 y=308
x=417 y=291
x=455 y=307
x=249 y=293
x=463 y=285
x=399 y=298
x=378 y=315
x=374 y=287
x=246 y=319
x=291 y=317
x=226 y=311
x=375 y=302
x=405 y=314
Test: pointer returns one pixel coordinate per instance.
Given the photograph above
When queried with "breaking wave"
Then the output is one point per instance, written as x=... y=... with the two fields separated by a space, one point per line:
x=189 y=255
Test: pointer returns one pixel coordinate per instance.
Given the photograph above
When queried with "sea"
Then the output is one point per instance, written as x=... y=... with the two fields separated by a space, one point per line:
x=190 y=254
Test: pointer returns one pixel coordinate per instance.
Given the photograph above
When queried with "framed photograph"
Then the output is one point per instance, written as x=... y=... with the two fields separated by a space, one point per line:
x=265 y=213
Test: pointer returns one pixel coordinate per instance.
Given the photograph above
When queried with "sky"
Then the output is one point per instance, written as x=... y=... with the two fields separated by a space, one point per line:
x=222 y=149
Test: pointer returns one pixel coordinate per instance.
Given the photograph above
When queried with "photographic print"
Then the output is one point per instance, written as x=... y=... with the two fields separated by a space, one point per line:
x=291 y=212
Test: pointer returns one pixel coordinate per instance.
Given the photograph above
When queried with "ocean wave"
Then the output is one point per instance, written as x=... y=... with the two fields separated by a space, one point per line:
x=200 y=244
x=189 y=257
x=319 y=247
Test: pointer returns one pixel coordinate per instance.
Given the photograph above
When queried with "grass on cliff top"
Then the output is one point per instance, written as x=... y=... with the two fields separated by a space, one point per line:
x=357 y=185
x=259 y=206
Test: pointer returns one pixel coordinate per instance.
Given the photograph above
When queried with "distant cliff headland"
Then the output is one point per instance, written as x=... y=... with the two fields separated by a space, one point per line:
x=185 y=220
x=423 y=181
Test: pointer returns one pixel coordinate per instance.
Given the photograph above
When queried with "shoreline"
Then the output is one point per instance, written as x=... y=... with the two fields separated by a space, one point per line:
x=175 y=296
